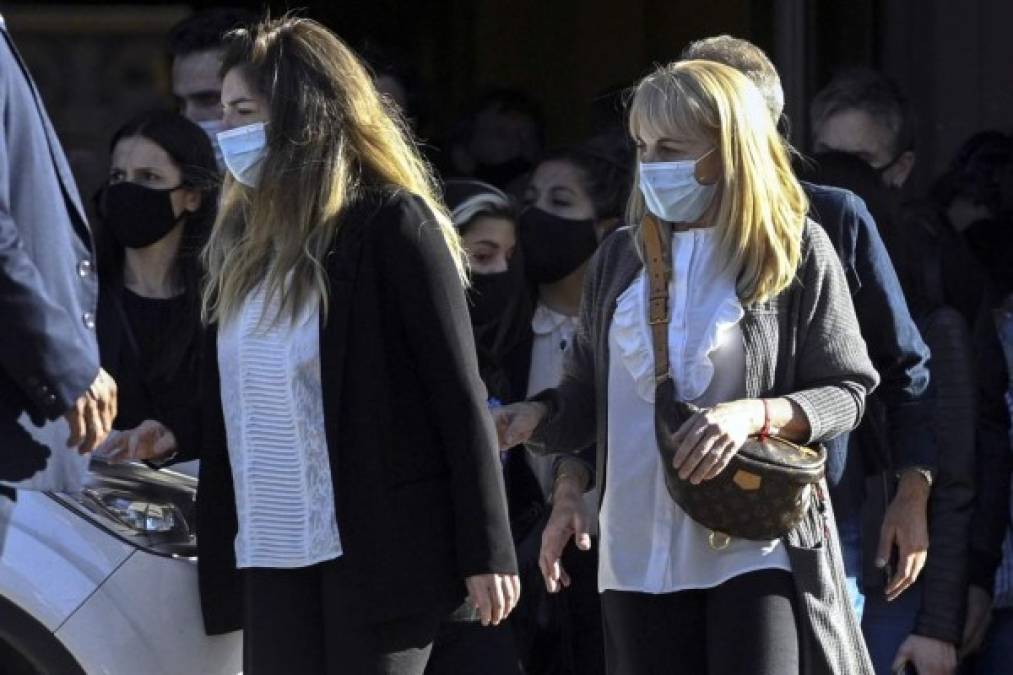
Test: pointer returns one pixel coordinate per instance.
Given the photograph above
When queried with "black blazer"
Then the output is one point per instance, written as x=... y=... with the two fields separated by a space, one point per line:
x=418 y=487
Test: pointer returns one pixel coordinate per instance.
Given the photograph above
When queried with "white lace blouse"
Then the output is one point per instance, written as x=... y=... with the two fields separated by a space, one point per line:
x=648 y=543
x=274 y=421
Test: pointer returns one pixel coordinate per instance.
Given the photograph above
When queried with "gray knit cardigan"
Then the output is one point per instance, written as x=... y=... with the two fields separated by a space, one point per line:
x=803 y=344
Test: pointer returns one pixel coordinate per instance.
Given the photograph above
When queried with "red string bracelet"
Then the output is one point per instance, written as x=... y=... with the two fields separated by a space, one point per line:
x=765 y=431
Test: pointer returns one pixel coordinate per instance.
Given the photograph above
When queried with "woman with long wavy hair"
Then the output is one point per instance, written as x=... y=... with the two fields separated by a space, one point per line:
x=762 y=337
x=350 y=471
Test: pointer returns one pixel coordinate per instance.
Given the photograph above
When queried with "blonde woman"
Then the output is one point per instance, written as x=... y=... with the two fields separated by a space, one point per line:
x=350 y=471
x=762 y=333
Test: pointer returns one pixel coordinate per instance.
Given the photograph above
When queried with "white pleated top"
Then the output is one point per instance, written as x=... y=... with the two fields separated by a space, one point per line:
x=648 y=543
x=272 y=398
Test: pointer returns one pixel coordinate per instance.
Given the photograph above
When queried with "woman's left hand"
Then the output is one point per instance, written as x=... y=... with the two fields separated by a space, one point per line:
x=708 y=440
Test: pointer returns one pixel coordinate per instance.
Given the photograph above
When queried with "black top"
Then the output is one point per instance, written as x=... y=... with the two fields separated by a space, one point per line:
x=419 y=494
x=151 y=319
x=938 y=271
x=134 y=334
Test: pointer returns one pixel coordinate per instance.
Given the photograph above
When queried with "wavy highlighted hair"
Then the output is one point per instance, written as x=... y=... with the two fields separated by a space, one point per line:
x=761 y=207
x=330 y=135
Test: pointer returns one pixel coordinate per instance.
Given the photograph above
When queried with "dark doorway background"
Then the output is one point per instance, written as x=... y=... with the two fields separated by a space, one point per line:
x=953 y=59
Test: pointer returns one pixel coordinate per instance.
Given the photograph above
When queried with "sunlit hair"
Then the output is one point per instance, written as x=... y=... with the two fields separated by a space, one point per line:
x=330 y=135
x=469 y=199
x=761 y=208
x=746 y=58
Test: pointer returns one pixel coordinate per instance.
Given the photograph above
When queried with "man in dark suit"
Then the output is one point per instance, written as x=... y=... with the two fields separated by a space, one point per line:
x=51 y=385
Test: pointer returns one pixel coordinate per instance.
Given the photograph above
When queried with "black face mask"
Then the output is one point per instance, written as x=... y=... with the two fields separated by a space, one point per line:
x=555 y=247
x=503 y=173
x=491 y=294
x=137 y=216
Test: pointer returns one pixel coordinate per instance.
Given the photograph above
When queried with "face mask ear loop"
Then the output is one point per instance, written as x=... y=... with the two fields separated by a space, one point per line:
x=184 y=214
x=696 y=164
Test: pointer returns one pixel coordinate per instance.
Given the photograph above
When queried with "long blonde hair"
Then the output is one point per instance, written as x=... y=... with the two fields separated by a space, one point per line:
x=762 y=207
x=330 y=135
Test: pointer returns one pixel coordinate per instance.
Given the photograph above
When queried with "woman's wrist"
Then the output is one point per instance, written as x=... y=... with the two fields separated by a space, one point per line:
x=541 y=407
x=571 y=478
x=755 y=413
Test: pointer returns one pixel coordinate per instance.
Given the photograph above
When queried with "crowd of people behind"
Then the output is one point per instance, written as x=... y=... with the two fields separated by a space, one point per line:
x=350 y=317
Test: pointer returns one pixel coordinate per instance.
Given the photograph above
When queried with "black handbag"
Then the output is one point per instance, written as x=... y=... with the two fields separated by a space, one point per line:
x=765 y=489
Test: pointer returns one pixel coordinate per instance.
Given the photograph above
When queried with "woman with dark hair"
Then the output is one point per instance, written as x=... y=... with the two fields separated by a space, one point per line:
x=486 y=219
x=156 y=212
x=574 y=199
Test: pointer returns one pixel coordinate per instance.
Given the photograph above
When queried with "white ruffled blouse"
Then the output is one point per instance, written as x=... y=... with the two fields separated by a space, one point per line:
x=705 y=309
x=648 y=543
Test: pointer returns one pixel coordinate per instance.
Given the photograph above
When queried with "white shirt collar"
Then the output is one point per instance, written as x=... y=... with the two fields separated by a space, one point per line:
x=546 y=320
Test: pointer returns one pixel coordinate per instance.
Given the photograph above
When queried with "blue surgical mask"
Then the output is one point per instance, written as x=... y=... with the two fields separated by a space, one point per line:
x=212 y=128
x=672 y=192
x=243 y=150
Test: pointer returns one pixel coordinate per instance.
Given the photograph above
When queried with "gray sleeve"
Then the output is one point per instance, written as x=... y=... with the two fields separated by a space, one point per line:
x=833 y=373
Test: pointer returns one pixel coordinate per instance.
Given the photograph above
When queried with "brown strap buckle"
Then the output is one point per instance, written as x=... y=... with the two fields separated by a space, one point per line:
x=657 y=312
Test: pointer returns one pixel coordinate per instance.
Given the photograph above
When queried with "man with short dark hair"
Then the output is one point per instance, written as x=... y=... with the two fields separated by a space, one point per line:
x=864 y=113
x=195 y=44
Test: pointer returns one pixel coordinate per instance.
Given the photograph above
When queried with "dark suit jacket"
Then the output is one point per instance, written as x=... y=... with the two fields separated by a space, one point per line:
x=48 y=287
x=418 y=485
x=894 y=342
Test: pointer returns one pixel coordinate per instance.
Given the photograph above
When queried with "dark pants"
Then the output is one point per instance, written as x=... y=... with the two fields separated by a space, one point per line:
x=745 y=626
x=465 y=647
x=583 y=609
x=887 y=624
x=295 y=622
x=996 y=655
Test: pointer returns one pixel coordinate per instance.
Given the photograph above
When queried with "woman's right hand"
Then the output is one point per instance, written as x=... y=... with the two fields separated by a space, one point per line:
x=567 y=522
x=516 y=422
x=150 y=441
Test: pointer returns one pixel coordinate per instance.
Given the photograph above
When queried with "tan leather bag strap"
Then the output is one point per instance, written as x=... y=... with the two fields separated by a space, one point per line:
x=657 y=264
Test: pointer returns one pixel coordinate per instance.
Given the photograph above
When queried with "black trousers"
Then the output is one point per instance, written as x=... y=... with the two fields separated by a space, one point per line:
x=464 y=646
x=295 y=622
x=745 y=626
x=583 y=623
